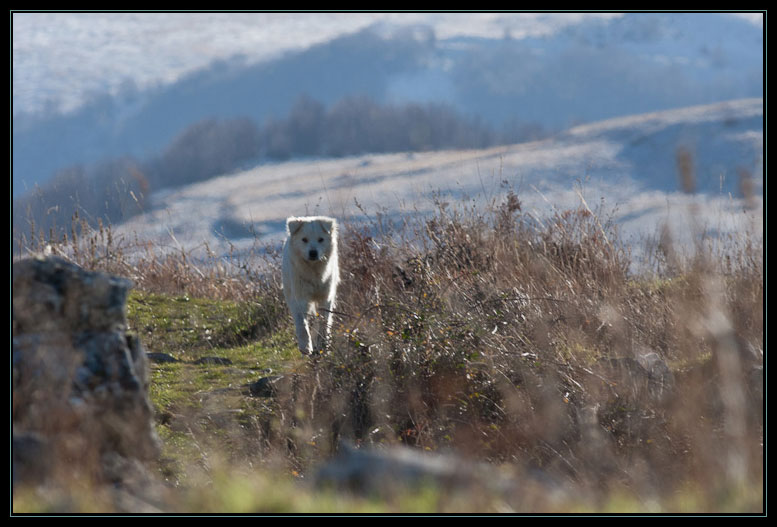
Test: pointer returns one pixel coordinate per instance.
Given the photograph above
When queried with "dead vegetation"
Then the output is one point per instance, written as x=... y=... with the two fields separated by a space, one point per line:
x=527 y=344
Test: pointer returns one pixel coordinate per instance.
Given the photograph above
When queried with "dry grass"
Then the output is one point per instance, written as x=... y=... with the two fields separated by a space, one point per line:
x=154 y=268
x=515 y=342
x=496 y=337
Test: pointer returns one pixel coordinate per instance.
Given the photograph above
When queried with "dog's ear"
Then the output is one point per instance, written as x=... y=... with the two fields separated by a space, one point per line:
x=326 y=224
x=293 y=225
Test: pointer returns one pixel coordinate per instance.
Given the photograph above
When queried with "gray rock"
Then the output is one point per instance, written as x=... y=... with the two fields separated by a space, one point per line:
x=77 y=376
x=215 y=361
x=52 y=293
x=31 y=458
x=267 y=386
x=161 y=358
x=370 y=471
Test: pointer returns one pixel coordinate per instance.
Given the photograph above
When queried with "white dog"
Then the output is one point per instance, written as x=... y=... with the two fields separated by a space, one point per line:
x=310 y=277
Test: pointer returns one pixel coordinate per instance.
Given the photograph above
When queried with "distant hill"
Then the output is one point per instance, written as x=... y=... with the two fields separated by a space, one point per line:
x=595 y=70
x=631 y=164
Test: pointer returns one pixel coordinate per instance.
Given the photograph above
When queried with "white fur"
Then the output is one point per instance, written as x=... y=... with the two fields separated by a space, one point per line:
x=310 y=277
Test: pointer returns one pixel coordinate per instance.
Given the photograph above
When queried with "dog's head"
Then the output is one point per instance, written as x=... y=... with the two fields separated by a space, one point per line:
x=312 y=238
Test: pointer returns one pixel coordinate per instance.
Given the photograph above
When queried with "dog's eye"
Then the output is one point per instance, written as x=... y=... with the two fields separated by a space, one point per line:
x=304 y=240
x=320 y=240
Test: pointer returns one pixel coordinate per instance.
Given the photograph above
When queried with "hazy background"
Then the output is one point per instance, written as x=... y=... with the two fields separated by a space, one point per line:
x=110 y=109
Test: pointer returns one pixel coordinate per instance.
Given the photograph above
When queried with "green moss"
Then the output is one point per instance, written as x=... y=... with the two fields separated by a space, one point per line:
x=199 y=405
x=184 y=326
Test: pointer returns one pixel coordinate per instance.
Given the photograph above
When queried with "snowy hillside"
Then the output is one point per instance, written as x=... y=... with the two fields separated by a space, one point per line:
x=131 y=82
x=65 y=59
x=627 y=164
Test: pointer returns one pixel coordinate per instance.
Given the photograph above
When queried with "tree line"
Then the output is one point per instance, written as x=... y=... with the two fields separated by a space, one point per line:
x=117 y=189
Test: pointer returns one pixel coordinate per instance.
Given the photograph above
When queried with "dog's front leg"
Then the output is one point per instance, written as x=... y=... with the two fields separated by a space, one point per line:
x=303 y=332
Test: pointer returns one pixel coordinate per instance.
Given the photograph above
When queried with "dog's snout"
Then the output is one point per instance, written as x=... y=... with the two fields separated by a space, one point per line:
x=313 y=254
